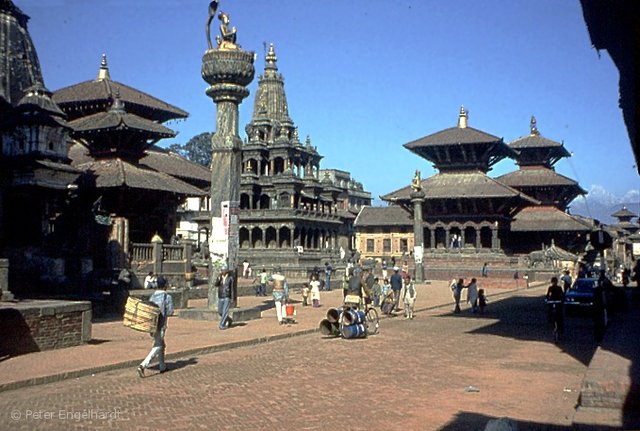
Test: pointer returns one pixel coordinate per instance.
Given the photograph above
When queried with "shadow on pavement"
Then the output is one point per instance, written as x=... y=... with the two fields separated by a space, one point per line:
x=525 y=318
x=465 y=421
x=171 y=366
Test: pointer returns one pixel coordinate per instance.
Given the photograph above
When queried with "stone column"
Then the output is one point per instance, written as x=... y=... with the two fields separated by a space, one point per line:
x=432 y=235
x=5 y=293
x=417 y=198
x=494 y=238
x=228 y=70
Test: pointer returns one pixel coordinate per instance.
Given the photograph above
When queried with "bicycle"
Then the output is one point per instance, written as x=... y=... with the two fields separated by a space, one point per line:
x=555 y=314
x=356 y=312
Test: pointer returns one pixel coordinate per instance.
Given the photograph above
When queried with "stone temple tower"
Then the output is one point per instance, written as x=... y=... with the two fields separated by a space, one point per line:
x=228 y=70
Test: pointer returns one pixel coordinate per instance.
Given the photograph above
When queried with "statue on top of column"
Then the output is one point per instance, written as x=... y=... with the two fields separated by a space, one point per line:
x=416 y=184
x=227 y=38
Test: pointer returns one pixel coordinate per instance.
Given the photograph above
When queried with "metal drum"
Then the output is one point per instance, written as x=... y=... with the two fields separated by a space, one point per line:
x=354 y=331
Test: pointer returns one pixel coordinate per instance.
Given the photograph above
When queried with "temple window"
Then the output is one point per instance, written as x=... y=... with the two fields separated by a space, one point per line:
x=386 y=245
x=370 y=245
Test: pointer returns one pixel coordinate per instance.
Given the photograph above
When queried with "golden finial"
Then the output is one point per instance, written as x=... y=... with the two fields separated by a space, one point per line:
x=271 y=56
x=534 y=128
x=462 y=118
x=103 y=73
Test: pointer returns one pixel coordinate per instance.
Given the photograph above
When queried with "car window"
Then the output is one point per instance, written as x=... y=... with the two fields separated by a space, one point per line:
x=584 y=285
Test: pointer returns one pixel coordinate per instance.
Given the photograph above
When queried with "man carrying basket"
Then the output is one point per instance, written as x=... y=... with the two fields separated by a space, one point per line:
x=165 y=303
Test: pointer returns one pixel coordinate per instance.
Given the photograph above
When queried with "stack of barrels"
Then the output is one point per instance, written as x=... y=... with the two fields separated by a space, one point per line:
x=353 y=323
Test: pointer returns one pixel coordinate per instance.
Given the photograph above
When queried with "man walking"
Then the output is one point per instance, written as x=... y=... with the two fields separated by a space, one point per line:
x=280 y=294
x=165 y=303
x=396 y=286
x=225 y=287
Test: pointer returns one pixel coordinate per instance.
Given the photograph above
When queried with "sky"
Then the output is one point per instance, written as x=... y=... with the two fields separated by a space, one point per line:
x=363 y=78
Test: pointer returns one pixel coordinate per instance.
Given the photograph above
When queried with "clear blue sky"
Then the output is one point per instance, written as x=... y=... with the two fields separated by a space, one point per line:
x=364 y=77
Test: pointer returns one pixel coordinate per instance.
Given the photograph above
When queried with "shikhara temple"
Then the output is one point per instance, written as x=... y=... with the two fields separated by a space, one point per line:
x=288 y=204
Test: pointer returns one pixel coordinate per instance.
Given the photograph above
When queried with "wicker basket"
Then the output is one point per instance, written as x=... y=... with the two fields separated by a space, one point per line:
x=141 y=315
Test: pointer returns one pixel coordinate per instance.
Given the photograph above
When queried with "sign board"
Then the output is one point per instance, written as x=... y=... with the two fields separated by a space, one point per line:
x=417 y=253
x=636 y=248
x=224 y=240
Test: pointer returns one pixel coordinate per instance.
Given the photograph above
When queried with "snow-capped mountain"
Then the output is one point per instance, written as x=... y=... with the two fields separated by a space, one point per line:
x=601 y=203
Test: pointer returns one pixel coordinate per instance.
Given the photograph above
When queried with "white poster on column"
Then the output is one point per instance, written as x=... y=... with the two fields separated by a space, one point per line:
x=417 y=253
x=219 y=239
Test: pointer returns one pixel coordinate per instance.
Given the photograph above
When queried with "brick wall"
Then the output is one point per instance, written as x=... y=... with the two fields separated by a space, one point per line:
x=32 y=326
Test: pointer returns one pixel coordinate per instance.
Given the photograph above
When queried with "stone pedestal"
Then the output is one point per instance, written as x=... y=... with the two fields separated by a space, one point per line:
x=228 y=71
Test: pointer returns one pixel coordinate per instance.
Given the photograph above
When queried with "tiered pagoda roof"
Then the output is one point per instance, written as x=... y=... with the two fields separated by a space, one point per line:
x=536 y=156
x=624 y=215
x=474 y=190
x=547 y=218
x=461 y=148
x=118 y=132
x=537 y=150
x=91 y=97
x=117 y=173
x=463 y=155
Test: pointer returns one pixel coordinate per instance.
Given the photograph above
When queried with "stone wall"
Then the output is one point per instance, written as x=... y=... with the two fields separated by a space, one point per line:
x=32 y=326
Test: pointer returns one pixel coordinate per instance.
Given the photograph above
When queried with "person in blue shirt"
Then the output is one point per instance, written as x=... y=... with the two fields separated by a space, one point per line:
x=165 y=303
x=327 y=272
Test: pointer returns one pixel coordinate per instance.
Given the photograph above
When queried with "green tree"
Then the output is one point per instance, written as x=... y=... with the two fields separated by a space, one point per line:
x=197 y=149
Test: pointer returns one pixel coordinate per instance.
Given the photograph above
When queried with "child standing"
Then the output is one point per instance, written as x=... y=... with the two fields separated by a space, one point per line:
x=305 y=294
x=482 y=300
x=376 y=291
x=315 y=291
x=409 y=298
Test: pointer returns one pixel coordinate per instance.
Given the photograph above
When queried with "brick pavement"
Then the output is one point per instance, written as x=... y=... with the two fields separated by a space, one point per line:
x=115 y=346
x=506 y=354
x=412 y=375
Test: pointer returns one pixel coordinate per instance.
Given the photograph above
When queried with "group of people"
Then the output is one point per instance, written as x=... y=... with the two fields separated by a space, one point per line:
x=475 y=297
x=365 y=285
x=311 y=290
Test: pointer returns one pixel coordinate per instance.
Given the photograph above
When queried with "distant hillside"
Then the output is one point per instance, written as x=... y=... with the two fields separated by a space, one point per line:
x=600 y=204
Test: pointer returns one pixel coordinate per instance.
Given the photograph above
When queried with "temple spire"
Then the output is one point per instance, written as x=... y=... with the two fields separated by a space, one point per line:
x=271 y=58
x=462 y=118
x=534 y=128
x=103 y=73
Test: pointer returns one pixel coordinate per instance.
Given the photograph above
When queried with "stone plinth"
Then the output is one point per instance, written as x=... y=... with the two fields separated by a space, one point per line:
x=35 y=325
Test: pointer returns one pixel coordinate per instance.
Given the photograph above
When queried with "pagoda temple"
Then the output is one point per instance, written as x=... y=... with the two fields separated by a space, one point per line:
x=287 y=204
x=114 y=126
x=549 y=221
x=464 y=210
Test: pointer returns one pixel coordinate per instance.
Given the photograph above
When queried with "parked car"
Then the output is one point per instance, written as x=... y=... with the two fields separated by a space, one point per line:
x=580 y=295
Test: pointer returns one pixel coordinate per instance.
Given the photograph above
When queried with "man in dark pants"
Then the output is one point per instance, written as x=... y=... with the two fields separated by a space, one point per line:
x=396 y=286
x=225 y=286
